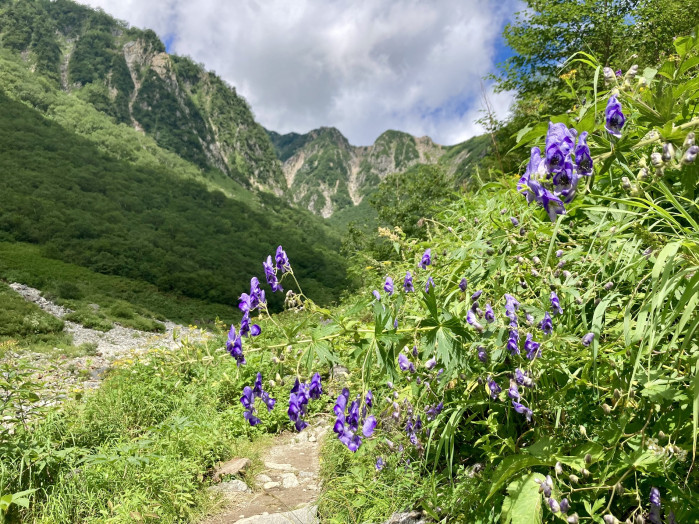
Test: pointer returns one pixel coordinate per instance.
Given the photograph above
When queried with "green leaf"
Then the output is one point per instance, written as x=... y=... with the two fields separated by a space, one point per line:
x=523 y=502
x=695 y=410
x=511 y=465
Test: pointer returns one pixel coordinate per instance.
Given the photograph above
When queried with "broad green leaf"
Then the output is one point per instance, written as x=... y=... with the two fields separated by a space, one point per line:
x=511 y=465
x=523 y=502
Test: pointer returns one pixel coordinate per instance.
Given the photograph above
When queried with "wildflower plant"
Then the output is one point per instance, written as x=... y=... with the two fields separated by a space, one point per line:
x=570 y=370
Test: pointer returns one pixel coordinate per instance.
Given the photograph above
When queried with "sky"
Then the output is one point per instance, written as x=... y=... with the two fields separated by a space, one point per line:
x=363 y=66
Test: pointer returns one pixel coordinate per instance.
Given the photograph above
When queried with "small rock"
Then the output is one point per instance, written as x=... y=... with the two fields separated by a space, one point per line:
x=232 y=467
x=409 y=517
x=232 y=486
x=338 y=371
x=271 y=485
x=306 y=515
x=312 y=438
x=289 y=480
x=281 y=467
x=262 y=478
x=301 y=437
x=306 y=474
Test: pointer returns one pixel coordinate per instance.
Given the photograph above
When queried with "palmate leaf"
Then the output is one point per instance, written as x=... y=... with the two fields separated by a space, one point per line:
x=511 y=465
x=523 y=502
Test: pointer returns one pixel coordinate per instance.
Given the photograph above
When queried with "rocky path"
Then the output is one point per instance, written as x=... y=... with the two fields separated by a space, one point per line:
x=284 y=491
x=118 y=343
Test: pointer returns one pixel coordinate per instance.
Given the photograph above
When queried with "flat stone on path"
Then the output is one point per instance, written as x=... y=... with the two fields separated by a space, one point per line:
x=282 y=467
x=307 y=515
x=271 y=485
x=289 y=480
x=231 y=486
x=232 y=467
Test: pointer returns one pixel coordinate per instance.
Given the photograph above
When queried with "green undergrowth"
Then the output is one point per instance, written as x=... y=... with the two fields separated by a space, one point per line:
x=141 y=448
x=100 y=300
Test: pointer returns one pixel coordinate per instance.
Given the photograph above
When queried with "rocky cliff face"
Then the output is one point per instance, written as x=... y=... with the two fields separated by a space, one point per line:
x=324 y=173
x=126 y=73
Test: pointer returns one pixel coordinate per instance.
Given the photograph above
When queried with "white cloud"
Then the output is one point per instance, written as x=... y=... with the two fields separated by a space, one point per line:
x=363 y=66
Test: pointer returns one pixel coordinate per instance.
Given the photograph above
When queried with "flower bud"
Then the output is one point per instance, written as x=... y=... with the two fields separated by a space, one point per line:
x=559 y=468
x=555 y=507
x=656 y=159
x=662 y=435
x=565 y=505
x=588 y=458
x=583 y=431
x=668 y=152
x=619 y=489
x=278 y=377
x=608 y=75
x=573 y=519
x=689 y=140
x=606 y=408
x=609 y=519
x=476 y=221
x=585 y=472
x=617 y=394
x=520 y=260
x=690 y=155
x=503 y=211
x=642 y=174
x=522 y=231
x=632 y=72
x=574 y=479
x=608 y=286
x=535 y=273
x=536 y=260
x=566 y=274
x=626 y=183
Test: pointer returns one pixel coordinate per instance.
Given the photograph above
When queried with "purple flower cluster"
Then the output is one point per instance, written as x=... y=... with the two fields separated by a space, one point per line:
x=552 y=181
x=281 y=263
x=248 y=400
x=299 y=396
x=348 y=422
x=246 y=303
x=404 y=364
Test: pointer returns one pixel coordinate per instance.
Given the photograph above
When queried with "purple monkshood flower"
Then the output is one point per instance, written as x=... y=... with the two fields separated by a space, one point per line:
x=565 y=505
x=282 y=260
x=369 y=399
x=655 y=497
x=614 y=118
x=271 y=275
x=248 y=401
x=559 y=253
x=234 y=346
x=559 y=144
x=511 y=306
x=587 y=339
x=405 y=364
x=546 y=325
x=513 y=342
x=529 y=318
x=428 y=284
x=377 y=295
x=522 y=378
x=347 y=425
x=472 y=320
x=583 y=159
x=388 y=286
x=556 y=304
x=476 y=295
x=523 y=410
x=431 y=363
x=408 y=283
x=415 y=352
x=246 y=329
x=463 y=284
x=379 y=464
x=513 y=392
x=494 y=388
x=369 y=426
x=514 y=221
x=654 y=514
x=482 y=354
x=432 y=411
x=426 y=259
x=489 y=314
x=315 y=390
x=532 y=348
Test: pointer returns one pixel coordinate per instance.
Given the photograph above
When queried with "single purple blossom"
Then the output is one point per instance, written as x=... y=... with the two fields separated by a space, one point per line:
x=546 y=325
x=489 y=314
x=556 y=304
x=522 y=378
x=271 y=275
x=482 y=354
x=415 y=352
x=532 y=348
x=388 y=286
x=379 y=464
x=472 y=320
x=514 y=221
x=565 y=505
x=513 y=391
x=587 y=339
x=405 y=364
x=559 y=143
x=234 y=346
x=431 y=363
x=428 y=284
x=614 y=117
x=369 y=398
x=426 y=259
x=408 y=283
x=523 y=410
x=369 y=426
x=583 y=159
x=463 y=284
x=377 y=295
x=494 y=388
x=315 y=390
x=282 y=260
x=513 y=342
x=476 y=295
